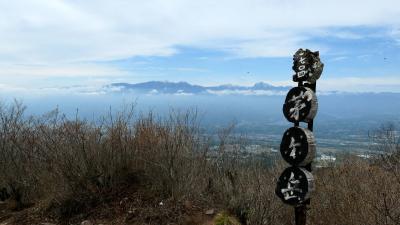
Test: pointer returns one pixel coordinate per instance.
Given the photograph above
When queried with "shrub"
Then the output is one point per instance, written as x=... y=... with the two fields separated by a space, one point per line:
x=74 y=164
x=224 y=218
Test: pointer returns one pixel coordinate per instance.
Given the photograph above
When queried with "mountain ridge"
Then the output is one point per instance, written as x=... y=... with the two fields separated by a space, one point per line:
x=167 y=87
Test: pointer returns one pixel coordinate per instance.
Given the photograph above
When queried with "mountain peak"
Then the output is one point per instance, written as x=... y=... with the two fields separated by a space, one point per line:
x=262 y=84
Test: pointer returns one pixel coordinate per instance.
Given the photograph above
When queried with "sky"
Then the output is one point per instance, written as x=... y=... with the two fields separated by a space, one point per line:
x=62 y=43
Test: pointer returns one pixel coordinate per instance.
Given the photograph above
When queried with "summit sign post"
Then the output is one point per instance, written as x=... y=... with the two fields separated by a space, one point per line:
x=296 y=183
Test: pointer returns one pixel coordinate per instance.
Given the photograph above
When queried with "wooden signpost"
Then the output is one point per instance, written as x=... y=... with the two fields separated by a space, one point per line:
x=296 y=183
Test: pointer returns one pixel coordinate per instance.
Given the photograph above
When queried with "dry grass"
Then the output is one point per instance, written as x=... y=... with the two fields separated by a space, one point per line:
x=68 y=165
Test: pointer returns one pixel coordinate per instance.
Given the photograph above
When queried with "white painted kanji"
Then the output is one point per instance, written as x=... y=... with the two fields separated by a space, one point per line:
x=288 y=192
x=299 y=103
x=293 y=146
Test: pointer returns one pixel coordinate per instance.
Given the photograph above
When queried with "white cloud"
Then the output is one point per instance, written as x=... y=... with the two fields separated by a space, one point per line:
x=360 y=84
x=351 y=84
x=42 y=39
x=339 y=58
x=38 y=31
x=247 y=92
x=395 y=33
x=29 y=91
x=43 y=77
x=324 y=86
x=6 y=88
x=277 y=47
x=58 y=70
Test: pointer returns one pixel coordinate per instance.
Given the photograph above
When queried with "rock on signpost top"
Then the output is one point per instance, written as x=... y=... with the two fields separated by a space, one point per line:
x=307 y=66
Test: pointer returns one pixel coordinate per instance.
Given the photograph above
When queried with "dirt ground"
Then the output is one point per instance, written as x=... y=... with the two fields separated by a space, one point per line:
x=132 y=206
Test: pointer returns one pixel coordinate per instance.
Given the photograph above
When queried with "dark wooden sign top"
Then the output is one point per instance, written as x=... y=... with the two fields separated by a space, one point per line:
x=307 y=66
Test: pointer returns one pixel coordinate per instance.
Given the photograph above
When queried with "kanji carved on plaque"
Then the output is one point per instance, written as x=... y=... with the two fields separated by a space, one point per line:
x=295 y=185
x=300 y=105
x=298 y=146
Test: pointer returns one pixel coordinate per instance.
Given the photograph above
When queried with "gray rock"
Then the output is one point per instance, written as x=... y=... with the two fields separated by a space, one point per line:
x=210 y=212
x=87 y=222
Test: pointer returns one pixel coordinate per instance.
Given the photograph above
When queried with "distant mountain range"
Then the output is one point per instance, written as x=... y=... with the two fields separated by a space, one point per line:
x=184 y=88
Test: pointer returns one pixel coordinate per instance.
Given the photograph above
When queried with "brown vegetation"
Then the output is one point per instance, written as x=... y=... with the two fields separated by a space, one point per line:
x=149 y=170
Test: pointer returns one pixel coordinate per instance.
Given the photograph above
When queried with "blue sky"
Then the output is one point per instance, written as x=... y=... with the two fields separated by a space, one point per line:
x=55 y=43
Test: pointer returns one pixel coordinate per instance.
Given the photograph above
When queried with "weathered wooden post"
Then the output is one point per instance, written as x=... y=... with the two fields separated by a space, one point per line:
x=298 y=148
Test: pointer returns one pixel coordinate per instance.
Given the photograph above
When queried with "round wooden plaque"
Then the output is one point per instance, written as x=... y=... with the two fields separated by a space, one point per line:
x=295 y=186
x=300 y=105
x=298 y=146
